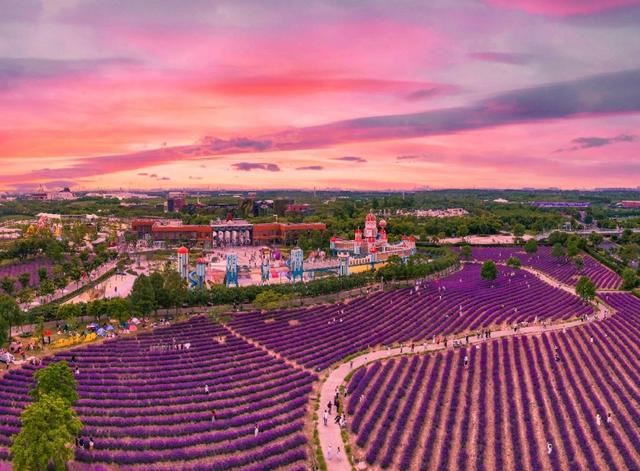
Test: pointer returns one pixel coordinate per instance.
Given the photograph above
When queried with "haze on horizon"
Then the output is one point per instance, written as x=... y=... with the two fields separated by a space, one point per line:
x=332 y=93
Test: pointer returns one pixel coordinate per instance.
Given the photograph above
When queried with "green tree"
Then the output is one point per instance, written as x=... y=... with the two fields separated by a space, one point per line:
x=465 y=252
x=579 y=262
x=629 y=252
x=48 y=430
x=161 y=296
x=8 y=284
x=24 y=279
x=142 y=297
x=119 y=308
x=585 y=288
x=531 y=246
x=518 y=230
x=489 y=270
x=26 y=295
x=595 y=239
x=572 y=249
x=557 y=250
x=270 y=299
x=10 y=315
x=514 y=262
x=55 y=380
x=43 y=274
x=70 y=312
x=629 y=278
x=46 y=288
x=175 y=288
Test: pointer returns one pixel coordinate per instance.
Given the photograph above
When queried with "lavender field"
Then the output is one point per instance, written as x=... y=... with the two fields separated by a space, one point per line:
x=145 y=405
x=561 y=268
x=515 y=397
x=462 y=302
x=16 y=269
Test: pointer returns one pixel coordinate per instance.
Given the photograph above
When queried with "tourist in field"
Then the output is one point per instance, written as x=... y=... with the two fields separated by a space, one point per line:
x=598 y=420
x=213 y=416
x=329 y=405
x=350 y=364
x=77 y=371
x=325 y=417
x=255 y=431
x=338 y=419
x=343 y=421
x=466 y=361
x=609 y=418
x=91 y=443
x=206 y=389
x=549 y=448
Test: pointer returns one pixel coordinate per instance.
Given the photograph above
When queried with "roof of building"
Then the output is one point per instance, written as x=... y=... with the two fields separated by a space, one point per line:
x=184 y=228
x=183 y=250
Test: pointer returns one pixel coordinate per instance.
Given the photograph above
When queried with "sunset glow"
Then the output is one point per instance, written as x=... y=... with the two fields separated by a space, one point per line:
x=280 y=94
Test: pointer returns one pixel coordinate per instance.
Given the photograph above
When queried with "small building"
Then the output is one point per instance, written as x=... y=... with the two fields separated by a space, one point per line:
x=629 y=204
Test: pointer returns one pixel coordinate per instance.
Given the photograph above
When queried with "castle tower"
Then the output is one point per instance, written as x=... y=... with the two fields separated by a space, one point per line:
x=232 y=270
x=383 y=231
x=183 y=262
x=343 y=263
x=296 y=264
x=370 y=227
x=265 y=265
x=201 y=266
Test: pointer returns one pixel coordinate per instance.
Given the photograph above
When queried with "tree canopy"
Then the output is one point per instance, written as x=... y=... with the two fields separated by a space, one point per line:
x=48 y=430
x=585 y=288
x=10 y=314
x=531 y=246
x=56 y=379
x=489 y=270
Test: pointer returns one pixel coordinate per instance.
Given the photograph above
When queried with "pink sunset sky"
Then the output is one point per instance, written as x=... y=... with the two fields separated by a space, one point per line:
x=372 y=94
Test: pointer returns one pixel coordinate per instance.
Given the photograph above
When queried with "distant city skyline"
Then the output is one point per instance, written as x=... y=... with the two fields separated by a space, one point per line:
x=275 y=94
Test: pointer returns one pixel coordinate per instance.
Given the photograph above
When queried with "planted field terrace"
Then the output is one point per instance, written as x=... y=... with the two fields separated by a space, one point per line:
x=562 y=269
x=523 y=403
x=144 y=403
x=320 y=336
x=14 y=270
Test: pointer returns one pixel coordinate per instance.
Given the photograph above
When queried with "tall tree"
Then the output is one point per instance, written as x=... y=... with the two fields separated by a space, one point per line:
x=531 y=246
x=175 y=287
x=55 y=380
x=585 y=288
x=557 y=250
x=10 y=314
x=142 y=297
x=629 y=278
x=465 y=252
x=489 y=270
x=8 y=284
x=24 y=279
x=48 y=430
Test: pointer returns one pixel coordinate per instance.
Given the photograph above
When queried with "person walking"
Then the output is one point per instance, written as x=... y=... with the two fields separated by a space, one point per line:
x=255 y=431
x=609 y=419
x=325 y=417
x=350 y=364
x=338 y=454
x=329 y=407
x=338 y=418
x=466 y=361
x=549 y=448
x=206 y=389
x=213 y=416
x=329 y=452
x=598 y=420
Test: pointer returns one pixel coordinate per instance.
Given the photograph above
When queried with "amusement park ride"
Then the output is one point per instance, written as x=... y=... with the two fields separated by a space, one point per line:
x=363 y=252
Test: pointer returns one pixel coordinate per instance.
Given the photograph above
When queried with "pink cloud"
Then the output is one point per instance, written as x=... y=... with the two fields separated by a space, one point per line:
x=562 y=7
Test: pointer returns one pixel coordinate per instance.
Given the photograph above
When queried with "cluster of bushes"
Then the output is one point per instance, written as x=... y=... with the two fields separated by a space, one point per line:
x=416 y=267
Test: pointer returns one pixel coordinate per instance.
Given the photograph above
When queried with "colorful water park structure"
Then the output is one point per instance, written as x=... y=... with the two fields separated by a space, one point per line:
x=373 y=243
x=196 y=278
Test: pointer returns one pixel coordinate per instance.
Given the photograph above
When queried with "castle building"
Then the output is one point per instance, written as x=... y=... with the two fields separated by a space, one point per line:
x=373 y=241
